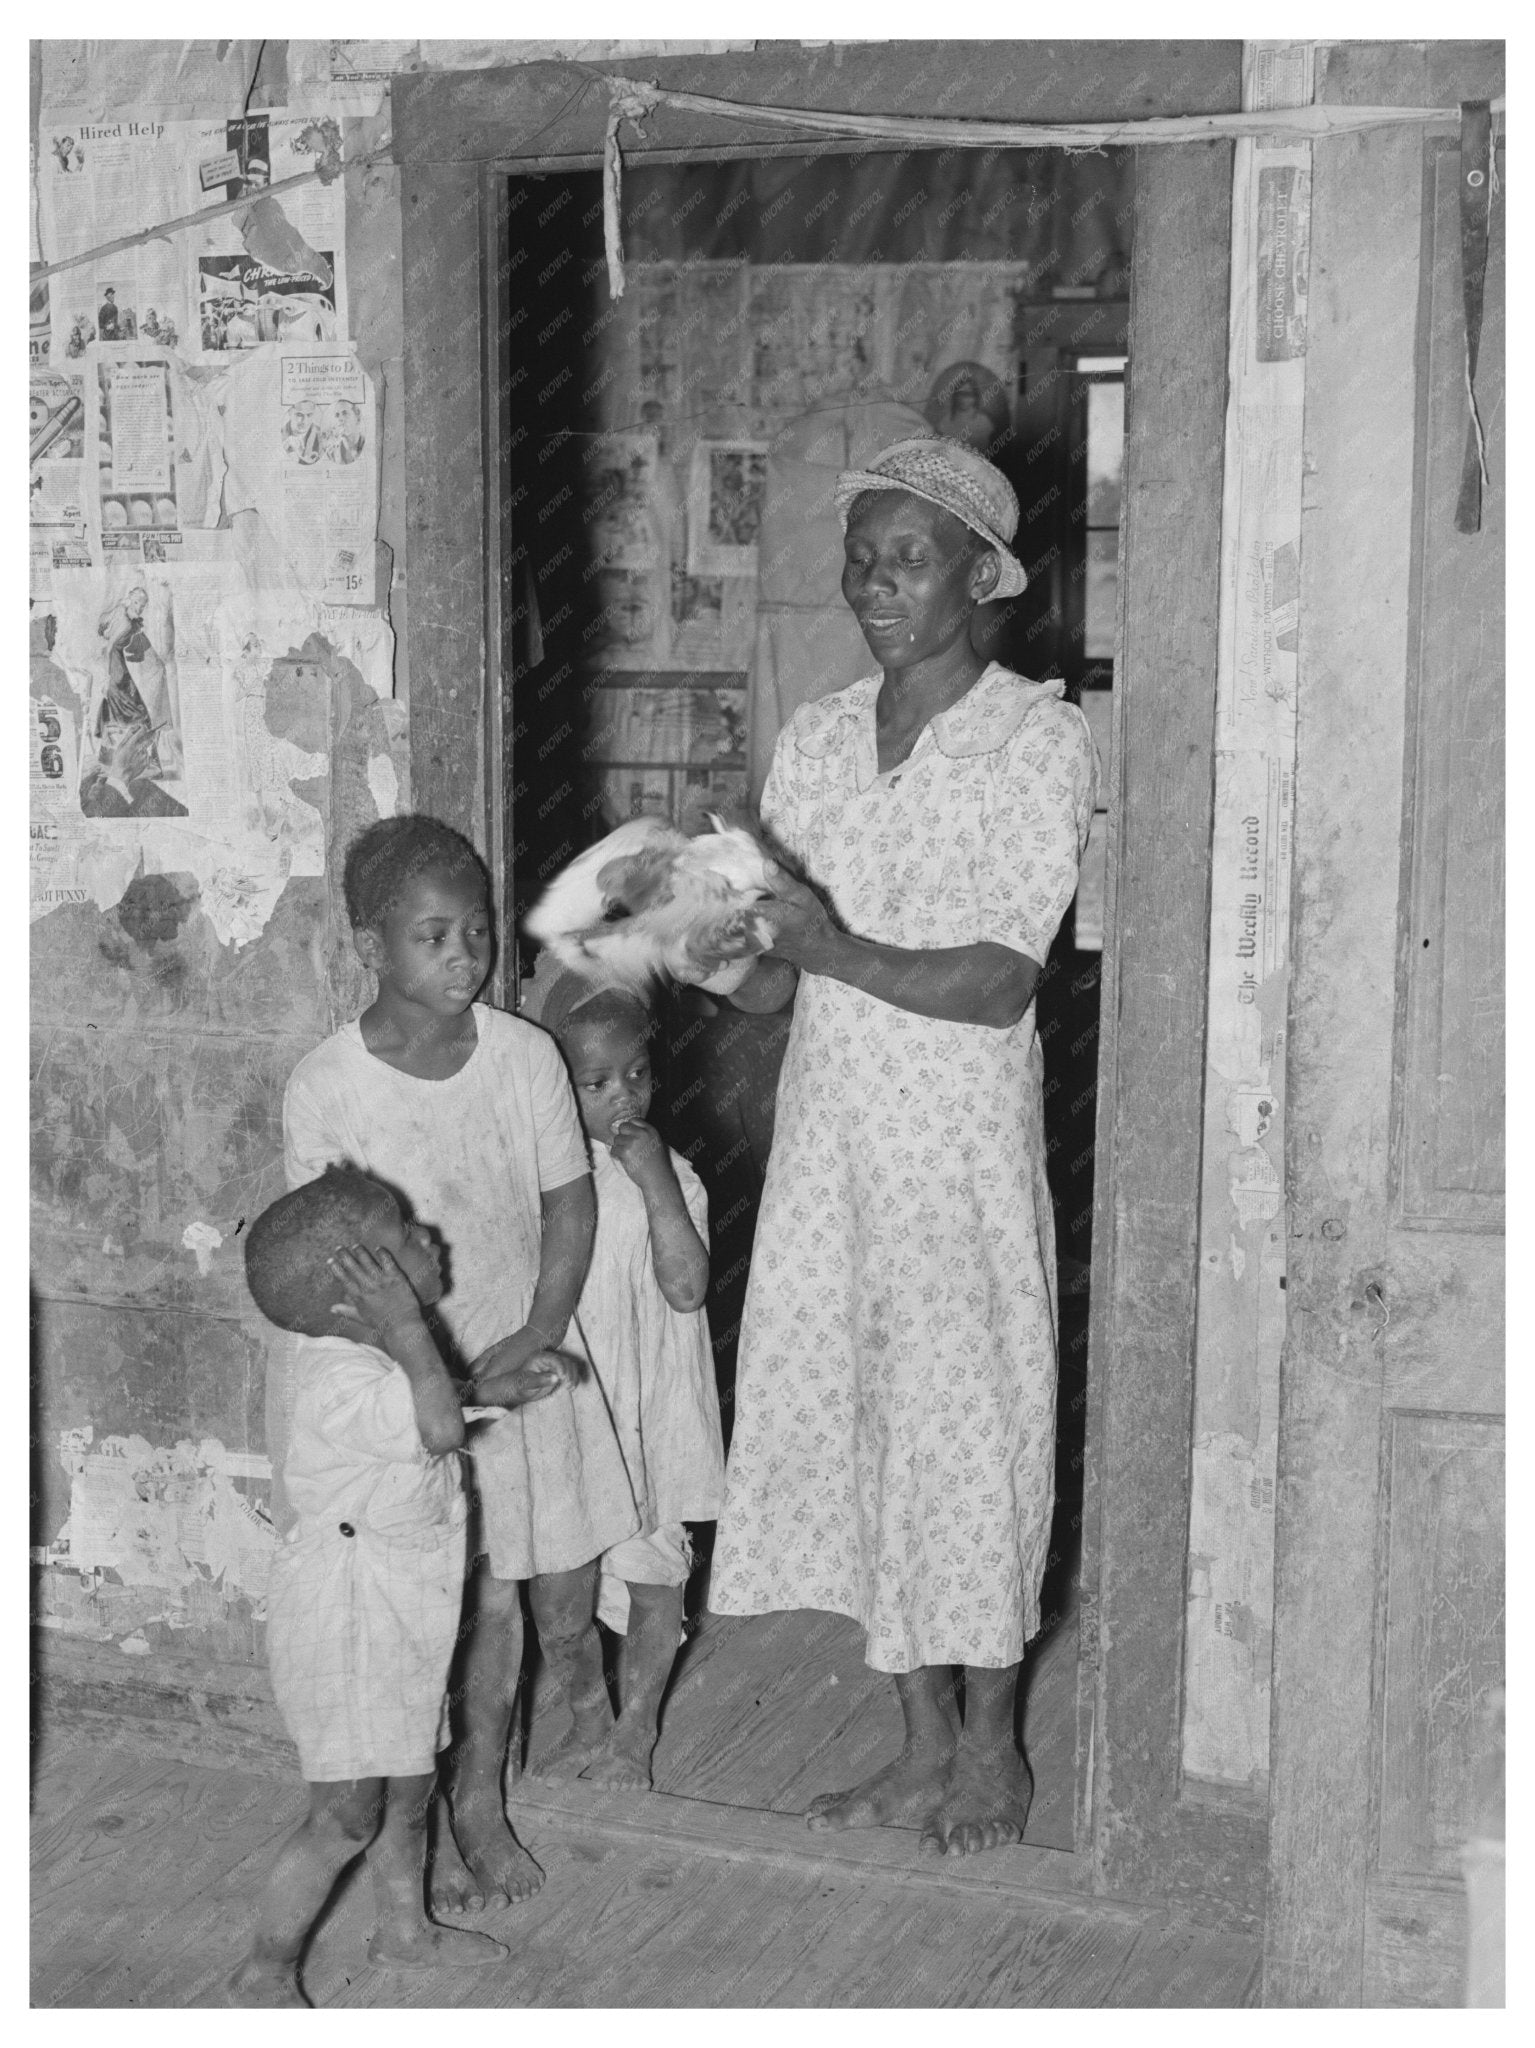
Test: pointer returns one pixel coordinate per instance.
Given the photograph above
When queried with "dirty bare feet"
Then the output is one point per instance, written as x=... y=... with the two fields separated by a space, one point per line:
x=902 y=1795
x=569 y=1758
x=984 y=1806
x=622 y=1765
x=907 y=1790
x=500 y=1870
x=258 y=1982
x=451 y=1885
x=430 y=1947
x=649 y=1652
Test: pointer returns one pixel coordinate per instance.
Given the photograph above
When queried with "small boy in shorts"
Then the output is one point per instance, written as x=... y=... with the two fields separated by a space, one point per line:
x=367 y=1585
x=468 y=1112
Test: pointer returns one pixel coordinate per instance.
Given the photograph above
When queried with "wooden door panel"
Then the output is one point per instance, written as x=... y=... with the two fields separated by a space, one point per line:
x=1444 y=1633
x=1440 y=1310
x=1449 y=1161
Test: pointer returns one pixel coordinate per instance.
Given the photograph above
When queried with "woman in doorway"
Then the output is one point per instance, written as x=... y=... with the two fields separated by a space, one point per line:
x=893 y=1450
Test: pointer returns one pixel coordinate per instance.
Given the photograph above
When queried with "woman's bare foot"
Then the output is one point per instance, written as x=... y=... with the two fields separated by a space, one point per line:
x=984 y=1805
x=623 y=1766
x=902 y=1795
x=259 y=1983
x=500 y=1869
x=430 y=1947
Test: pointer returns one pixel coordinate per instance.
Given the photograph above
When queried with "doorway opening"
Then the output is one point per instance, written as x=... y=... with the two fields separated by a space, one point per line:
x=662 y=616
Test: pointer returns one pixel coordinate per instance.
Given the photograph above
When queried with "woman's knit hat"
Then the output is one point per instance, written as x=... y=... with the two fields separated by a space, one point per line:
x=950 y=475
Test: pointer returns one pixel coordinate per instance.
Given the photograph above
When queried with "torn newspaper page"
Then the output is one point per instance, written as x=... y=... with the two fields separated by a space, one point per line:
x=154 y=451
x=301 y=449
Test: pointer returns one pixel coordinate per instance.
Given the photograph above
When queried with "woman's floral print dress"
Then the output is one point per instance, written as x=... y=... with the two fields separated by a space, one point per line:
x=893 y=1453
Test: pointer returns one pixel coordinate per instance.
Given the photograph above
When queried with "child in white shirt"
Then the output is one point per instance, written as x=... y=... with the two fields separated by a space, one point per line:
x=367 y=1584
x=469 y=1113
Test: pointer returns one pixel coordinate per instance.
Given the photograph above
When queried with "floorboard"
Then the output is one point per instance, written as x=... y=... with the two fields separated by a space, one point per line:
x=765 y=1713
x=146 y=1870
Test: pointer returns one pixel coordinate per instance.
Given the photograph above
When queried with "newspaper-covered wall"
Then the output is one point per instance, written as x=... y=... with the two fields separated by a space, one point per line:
x=204 y=494
x=1242 y=1241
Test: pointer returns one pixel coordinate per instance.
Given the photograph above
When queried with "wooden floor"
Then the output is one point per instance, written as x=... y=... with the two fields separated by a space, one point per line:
x=145 y=1870
x=764 y=1714
x=710 y=1892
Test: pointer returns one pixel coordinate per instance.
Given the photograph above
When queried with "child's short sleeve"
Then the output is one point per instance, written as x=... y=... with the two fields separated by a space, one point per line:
x=1034 y=827
x=558 y=1137
x=363 y=1408
x=310 y=1139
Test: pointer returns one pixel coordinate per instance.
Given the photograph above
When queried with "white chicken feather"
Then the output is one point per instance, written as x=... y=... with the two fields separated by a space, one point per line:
x=647 y=901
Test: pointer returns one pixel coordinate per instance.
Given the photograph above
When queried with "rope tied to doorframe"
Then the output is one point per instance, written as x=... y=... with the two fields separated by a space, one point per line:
x=628 y=100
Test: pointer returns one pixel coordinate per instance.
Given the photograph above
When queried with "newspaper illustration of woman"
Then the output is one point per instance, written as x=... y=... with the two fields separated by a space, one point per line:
x=133 y=723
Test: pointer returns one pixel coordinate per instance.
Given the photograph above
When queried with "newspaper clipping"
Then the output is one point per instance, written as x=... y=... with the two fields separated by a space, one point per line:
x=301 y=449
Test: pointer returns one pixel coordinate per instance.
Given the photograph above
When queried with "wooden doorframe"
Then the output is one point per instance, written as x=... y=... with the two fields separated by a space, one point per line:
x=455 y=135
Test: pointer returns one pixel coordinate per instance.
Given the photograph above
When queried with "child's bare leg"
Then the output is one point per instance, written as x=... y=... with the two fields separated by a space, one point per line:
x=565 y=1615
x=342 y=1819
x=650 y=1650
x=986 y=1800
x=906 y=1791
x=403 y=1935
x=494 y=1868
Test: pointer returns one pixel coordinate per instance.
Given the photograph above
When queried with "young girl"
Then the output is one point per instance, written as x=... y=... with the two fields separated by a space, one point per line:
x=469 y=1113
x=367 y=1584
x=641 y=1320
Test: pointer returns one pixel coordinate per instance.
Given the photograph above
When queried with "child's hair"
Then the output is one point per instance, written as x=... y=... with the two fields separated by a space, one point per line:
x=385 y=859
x=289 y=1243
x=609 y=1009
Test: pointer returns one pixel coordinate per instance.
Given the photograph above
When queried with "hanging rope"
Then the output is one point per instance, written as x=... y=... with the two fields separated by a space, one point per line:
x=626 y=102
x=1477 y=166
x=1297 y=123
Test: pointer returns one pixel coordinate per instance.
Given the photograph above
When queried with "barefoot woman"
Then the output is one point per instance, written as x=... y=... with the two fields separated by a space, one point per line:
x=894 y=1446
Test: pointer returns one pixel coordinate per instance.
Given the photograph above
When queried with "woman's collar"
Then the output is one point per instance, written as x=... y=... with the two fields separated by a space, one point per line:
x=985 y=718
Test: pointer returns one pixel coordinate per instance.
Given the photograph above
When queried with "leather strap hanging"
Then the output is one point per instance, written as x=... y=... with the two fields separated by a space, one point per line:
x=1476 y=174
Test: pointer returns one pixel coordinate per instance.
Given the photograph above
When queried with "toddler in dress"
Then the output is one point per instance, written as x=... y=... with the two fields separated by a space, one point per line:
x=640 y=1319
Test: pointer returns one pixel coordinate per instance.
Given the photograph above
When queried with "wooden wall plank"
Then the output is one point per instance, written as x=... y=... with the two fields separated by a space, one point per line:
x=1355 y=532
x=445 y=492
x=1148 y=1165
x=545 y=108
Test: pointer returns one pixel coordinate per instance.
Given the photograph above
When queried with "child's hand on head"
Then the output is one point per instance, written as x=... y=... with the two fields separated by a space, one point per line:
x=376 y=1292
x=639 y=1149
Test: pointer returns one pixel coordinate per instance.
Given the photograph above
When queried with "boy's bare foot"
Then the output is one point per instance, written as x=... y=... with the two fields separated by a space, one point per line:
x=902 y=1795
x=259 y=1983
x=621 y=1766
x=984 y=1805
x=452 y=1886
x=429 y=1947
x=499 y=1869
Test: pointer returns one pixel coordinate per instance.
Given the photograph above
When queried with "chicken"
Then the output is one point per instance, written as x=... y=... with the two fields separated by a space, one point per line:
x=648 y=901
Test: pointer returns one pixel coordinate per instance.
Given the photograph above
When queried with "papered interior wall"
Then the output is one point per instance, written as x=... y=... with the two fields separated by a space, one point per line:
x=217 y=702
x=732 y=394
